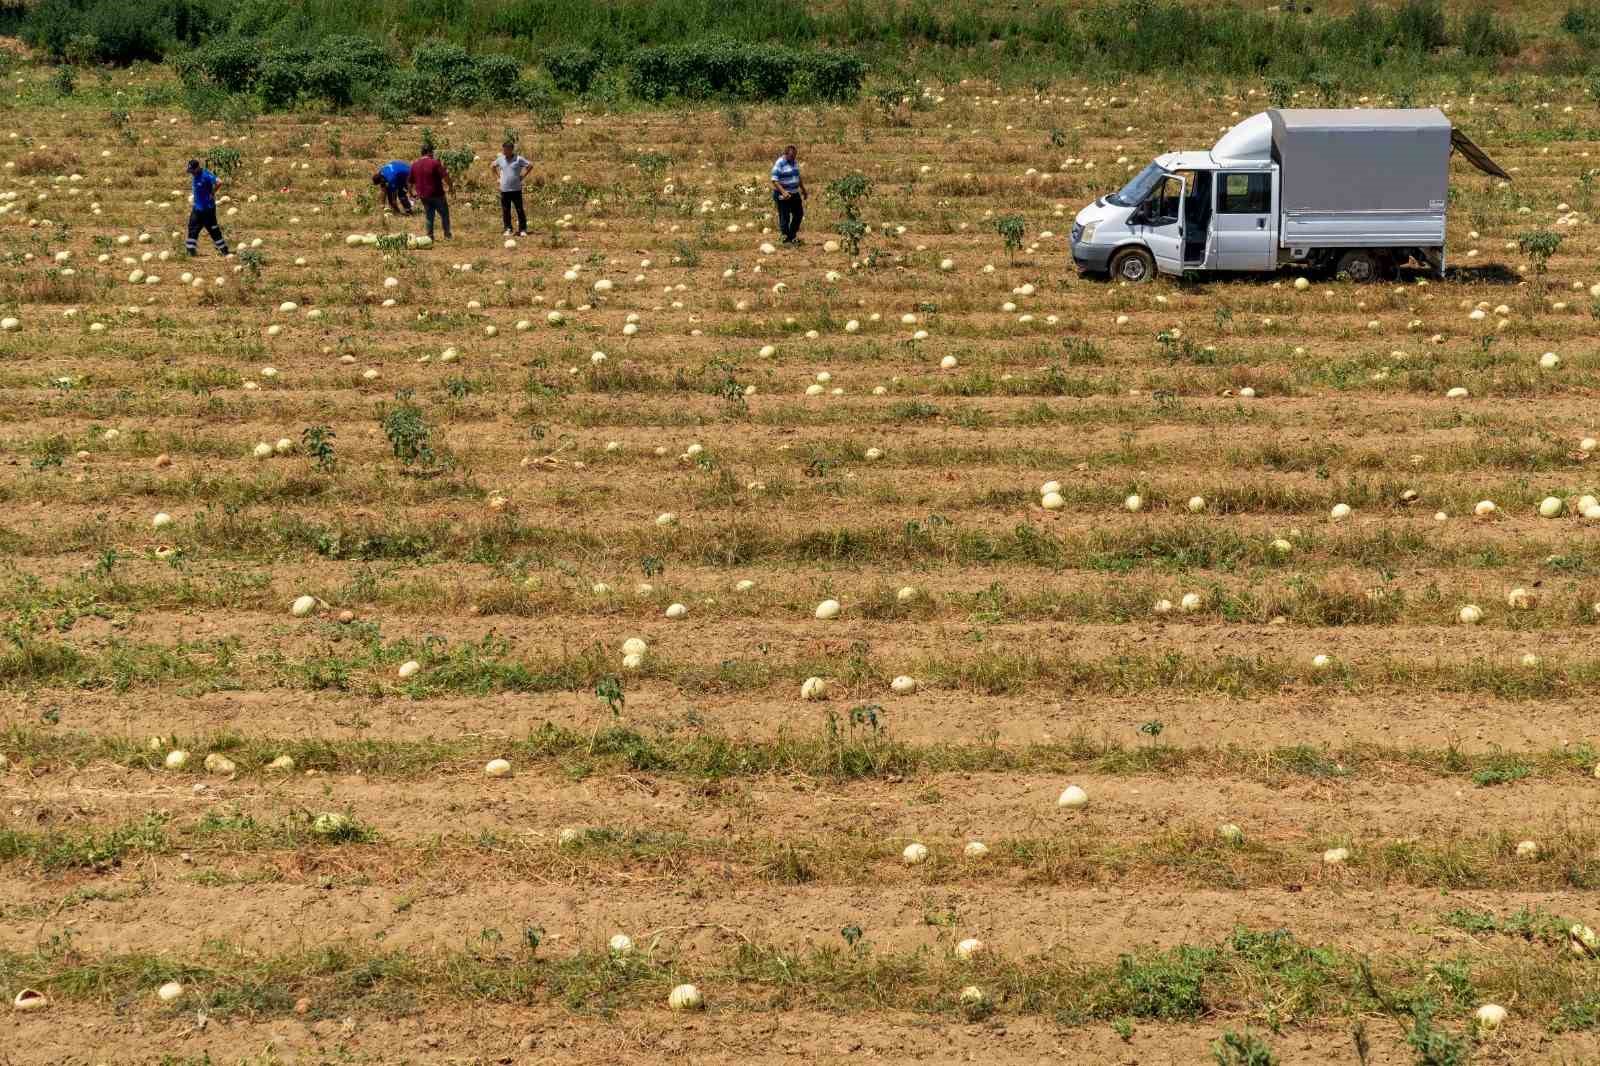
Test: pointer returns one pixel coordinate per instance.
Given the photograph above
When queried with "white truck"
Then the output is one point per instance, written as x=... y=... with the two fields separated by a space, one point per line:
x=1359 y=191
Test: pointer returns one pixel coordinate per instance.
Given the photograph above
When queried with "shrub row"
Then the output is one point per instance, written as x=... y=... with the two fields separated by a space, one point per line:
x=116 y=31
x=281 y=51
x=344 y=70
x=751 y=72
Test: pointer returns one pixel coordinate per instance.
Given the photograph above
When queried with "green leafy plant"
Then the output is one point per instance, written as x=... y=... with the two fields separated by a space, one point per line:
x=224 y=161
x=251 y=260
x=50 y=452
x=545 y=107
x=652 y=164
x=318 y=442
x=894 y=103
x=1434 y=1046
x=685 y=253
x=1539 y=245
x=1012 y=229
x=848 y=192
x=1242 y=1049
x=408 y=431
x=458 y=161
x=609 y=691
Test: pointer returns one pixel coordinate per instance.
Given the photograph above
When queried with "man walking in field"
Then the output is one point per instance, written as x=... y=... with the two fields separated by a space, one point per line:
x=789 y=193
x=430 y=180
x=203 y=213
x=511 y=168
x=395 y=177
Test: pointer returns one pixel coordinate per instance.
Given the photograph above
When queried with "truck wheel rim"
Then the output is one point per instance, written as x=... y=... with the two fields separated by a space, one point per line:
x=1133 y=268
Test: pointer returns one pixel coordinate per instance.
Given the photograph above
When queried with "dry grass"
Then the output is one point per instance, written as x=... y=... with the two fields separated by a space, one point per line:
x=1026 y=626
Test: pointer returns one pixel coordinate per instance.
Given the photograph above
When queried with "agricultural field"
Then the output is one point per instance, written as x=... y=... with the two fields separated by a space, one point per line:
x=1207 y=757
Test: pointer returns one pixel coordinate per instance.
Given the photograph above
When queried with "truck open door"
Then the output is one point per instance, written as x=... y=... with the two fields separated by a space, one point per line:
x=1162 y=224
x=1475 y=155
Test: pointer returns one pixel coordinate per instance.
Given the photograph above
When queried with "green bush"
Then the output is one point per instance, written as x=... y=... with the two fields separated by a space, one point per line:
x=123 y=31
x=731 y=69
x=130 y=32
x=450 y=64
x=1419 y=26
x=52 y=24
x=1582 y=23
x=460 y=77
x=1485 y=36
x=282 y=77
x=542 y=101
x=330 y=80
x=336 y=70
x=366 y=59
x=229 y=63
x=572 y=69
x=498 y=75
x=832 y=77
x=409 y=93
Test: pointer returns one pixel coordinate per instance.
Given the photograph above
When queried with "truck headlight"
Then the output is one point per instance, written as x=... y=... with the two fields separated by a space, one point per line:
x=1088 y=233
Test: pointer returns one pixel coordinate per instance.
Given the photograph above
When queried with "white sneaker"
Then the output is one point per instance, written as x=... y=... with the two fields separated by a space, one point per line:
x=506 y=233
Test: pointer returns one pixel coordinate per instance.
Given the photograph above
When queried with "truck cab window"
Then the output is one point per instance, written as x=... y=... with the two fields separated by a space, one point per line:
x=1164 y=204
x=1246 y=194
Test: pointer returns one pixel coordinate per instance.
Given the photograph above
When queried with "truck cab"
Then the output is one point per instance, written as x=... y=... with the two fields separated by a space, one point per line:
x=1198 y=211
x=1357 y=191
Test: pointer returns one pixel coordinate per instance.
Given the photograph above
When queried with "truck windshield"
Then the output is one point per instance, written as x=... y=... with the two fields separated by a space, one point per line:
x=1139 y=189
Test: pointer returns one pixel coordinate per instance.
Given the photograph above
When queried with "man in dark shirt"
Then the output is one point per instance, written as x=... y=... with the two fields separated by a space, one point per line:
x=430 y=181
x=204 y=212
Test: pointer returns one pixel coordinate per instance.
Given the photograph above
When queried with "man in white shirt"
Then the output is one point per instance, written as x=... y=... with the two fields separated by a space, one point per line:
x=511 y=167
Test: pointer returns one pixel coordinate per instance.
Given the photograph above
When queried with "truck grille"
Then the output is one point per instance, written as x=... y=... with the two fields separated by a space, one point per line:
x=1077 y=231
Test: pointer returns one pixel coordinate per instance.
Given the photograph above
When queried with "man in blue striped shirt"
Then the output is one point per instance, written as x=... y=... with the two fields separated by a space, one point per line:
x=789 y=193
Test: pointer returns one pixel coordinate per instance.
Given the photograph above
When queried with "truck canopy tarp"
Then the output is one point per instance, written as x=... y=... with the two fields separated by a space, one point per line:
x=1366 y=160
x=1476 y=156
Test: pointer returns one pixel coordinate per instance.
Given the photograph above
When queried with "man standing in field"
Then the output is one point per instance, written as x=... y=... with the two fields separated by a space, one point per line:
x=203 y=213
x=431 y=181
x=511 y=167
x=789 y=193
x=395 y=176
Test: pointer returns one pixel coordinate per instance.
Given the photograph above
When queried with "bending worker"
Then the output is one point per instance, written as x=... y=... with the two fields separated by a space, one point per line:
x=395 y=177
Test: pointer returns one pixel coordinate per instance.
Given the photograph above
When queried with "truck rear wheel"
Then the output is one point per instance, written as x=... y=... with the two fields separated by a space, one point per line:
x=1133 y=265
x=1359 y=264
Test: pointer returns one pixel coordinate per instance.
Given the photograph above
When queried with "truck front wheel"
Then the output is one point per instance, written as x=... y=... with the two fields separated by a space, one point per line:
x=1359 y=264
x=1134 y=265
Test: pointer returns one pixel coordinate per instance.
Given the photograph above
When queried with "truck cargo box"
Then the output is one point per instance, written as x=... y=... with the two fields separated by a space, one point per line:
x=1356 y=177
